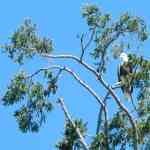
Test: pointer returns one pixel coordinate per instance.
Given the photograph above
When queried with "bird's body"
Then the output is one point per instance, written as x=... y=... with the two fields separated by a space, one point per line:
x=124 y=70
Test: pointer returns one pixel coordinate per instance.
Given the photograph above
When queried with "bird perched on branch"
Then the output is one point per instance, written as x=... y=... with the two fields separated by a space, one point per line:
x=124 y=70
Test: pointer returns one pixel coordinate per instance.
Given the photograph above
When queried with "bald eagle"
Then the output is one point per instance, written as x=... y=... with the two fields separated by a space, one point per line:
x=124 y=70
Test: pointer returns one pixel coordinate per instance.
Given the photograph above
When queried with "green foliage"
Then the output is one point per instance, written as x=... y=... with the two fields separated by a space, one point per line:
x=33 y=113
x=34 y=97
x=91 y=13
x=71 y=138
x=108 y=32
x=140 y=78
x=25 y=43
x=118 y=129
x=31 y=116
x=99 y=142
x=52 y=82
x=16 y=90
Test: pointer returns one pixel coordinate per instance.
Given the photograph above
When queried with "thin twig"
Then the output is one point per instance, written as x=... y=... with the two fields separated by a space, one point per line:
x=68 y=116
x=91 y=38
x=84 y=47
x=36 y=72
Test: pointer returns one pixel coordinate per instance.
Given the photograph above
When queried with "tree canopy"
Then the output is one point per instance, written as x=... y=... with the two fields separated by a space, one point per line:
x=105 y=38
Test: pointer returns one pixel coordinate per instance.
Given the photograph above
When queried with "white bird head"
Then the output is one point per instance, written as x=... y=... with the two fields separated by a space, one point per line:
x=124 y=57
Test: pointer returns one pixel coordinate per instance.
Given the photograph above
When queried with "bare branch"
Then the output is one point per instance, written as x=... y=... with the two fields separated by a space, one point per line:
x=91 y=38
x=89 y=89
x=75 y=58
x=83 y=48
x=99 y=120
x=101 y=64
x=106 y=128
x=68 y=116
x=36 y=72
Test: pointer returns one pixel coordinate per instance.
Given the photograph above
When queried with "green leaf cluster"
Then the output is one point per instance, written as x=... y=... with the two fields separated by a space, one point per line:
x=140 y=76
x=16 y=91
x=71 y=138
x=36 y=102
x=99 y=142
x=25 y=43
x=91 y=13
x=51 y=81
x=108 y=33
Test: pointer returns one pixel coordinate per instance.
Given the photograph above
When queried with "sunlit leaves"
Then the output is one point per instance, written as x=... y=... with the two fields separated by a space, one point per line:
x=33 y=115
x=137 y=25
x=132 y=25
x=125 y=17
x=25 y=43
x=104 y=19
x=34 y=96
x=98 y=142
x=70 y=135
x=109 y=32
x=25 y=35
x=16 y=90
x=94 y=17
x=89 y=10
x=51 y=82
x=24 y=118
x=36 y=104
x=141 y=68
x=70 y=132
x=36 y=109
x=91 y=13
x=44 y=45
x=119 y=130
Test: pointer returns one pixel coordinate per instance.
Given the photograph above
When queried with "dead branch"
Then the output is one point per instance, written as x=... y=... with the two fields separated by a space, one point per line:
x=68 y=116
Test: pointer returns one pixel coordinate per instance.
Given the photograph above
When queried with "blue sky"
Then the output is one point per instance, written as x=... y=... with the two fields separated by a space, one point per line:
x=61 y=21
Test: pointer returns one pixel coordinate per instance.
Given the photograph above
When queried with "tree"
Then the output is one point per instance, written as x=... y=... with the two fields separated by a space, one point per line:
x=129 y=126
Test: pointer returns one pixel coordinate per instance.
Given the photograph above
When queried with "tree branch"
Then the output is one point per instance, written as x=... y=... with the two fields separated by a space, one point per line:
x=101 y=109
x=118 y=101
x=76 y=77
x=36 y=72
x=106 y=86
x=75 y=58
x=83 y=48
x=68 y=116
x=99 y=120
x=106 y=129
x=89 y=89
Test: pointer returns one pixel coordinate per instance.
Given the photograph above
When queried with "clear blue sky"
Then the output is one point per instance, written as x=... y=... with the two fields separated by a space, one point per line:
x=60 y=20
